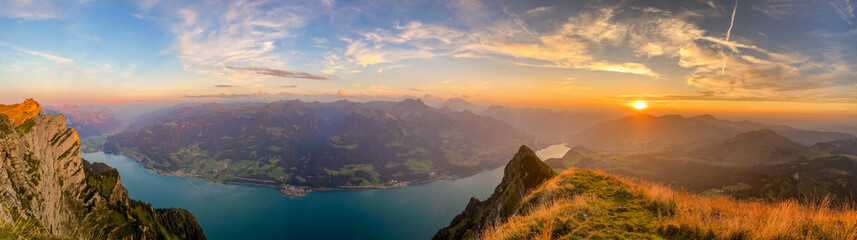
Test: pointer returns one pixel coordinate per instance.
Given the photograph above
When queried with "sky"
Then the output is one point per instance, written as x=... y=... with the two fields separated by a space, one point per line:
x=786 y=56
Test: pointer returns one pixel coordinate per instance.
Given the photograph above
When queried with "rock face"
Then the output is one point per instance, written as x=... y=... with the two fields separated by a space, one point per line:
x=45 y=180
x=524 y=173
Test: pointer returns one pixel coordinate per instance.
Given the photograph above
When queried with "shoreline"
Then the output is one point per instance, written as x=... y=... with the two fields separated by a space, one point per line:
x=292 y=191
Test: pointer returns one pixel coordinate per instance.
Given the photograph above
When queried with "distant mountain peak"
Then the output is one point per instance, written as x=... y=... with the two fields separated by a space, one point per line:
x=413 y=102
x=756 y=135
x=704 y=117
x=22 y=111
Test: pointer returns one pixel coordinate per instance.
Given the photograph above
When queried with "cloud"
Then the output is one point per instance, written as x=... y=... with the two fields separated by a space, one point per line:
x=779 y=9
x=35 y=63
x=37 y=9
x=729 y=33
x=52 y=58
x=751 y=68
x=580 y=42
x=846 y=10
x=574 y=45
x=815 y=97
x=537 y=11
x=224 y=86
x=288 y=86
x=393 y=66
x=220 y=96
x=211 y=35
x=278 y=72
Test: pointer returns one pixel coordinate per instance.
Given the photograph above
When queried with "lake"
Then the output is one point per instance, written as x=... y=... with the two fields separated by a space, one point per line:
x=227 y=211
x=552 y=151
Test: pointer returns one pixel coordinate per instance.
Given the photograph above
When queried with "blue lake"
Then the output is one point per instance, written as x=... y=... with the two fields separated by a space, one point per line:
x=228 y=211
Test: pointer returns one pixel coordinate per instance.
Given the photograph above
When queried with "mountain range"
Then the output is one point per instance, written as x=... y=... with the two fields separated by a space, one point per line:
x=297 y=147
x=650 y=133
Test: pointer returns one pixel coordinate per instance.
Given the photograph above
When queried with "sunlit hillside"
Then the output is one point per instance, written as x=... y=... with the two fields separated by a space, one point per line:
x=583 y=203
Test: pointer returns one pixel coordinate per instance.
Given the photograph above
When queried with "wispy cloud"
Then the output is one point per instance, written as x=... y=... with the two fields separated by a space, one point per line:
x=212 y=35
x=53 y=58
x=538 y=11
x=579 y=42
x=779 y=9
x=41 y=62
x=37 y=9
x=729 y=33
x=846 y=10
x=224 y=86
x=574 y=45
x=816 y=97
x=278 y=72
x=393 y=66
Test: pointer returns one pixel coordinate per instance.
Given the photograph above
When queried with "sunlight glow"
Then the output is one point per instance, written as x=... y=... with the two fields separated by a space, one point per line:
x=639 y=105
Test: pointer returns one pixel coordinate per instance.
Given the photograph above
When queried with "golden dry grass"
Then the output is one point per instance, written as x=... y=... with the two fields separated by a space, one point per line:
x=591 y=204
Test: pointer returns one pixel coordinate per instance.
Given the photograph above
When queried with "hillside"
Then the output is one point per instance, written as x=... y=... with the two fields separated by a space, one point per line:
x=48 y=189
x=847 y=146
x=646 y=133
x=297 y=147
x=587 y=204
x=753 y=148
x=832 y=177
x=757 y=164
x=577 y=155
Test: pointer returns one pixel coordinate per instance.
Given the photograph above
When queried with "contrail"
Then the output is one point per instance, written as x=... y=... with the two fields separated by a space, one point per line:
x=729 y=33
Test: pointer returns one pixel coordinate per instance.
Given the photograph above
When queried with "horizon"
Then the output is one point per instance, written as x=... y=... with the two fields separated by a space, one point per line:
x=832 y=122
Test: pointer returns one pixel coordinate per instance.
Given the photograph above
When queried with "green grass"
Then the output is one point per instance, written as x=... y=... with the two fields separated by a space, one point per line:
x=27 y=125
x=420 y=166
x=586 y=204
x=22 y=230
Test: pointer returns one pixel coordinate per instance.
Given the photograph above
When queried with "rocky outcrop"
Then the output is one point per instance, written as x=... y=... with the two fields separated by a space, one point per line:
x=22 y=111
x=524 y=173
x=45 y=180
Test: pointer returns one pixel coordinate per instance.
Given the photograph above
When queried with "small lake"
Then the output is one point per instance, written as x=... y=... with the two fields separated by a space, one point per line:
x=228 y=211
x=552 y=151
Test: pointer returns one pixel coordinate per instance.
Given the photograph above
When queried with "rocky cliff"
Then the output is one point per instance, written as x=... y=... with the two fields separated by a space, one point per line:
x=45 y=182
x=522 y=174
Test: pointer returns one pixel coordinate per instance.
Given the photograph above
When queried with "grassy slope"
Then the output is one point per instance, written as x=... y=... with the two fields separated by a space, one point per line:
x=24 y=230
x=589 y=204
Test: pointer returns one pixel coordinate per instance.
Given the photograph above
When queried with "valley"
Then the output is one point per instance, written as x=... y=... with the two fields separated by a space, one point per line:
x=299 y=147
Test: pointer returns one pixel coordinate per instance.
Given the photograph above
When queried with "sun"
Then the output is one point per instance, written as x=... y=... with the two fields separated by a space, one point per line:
x=639 y=105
